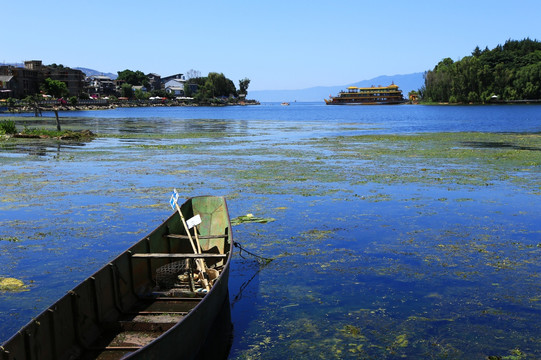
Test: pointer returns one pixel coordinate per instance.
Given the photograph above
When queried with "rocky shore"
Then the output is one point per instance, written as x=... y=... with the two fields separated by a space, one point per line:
x=129 y=103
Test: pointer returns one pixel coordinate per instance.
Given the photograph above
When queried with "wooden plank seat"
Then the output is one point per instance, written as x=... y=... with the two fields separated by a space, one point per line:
x=201 y=237
x=178 y=256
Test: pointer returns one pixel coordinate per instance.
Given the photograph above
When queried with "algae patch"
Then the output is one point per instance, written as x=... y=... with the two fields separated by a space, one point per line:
x=250 y=218
x=11 y=284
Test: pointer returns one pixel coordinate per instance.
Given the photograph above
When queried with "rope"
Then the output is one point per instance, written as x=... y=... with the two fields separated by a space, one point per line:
x=242 y=287
x=262 y=259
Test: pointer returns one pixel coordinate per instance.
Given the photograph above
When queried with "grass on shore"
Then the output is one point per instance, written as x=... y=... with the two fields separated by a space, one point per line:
x=8 y=127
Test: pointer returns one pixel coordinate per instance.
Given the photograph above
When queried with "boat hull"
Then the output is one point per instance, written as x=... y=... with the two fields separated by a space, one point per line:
x=364 y=103
x=186 y=340
x=380 y=95
x=120 y=313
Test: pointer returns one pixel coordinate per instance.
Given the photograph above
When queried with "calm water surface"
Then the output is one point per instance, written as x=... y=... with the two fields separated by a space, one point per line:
x=379 y=252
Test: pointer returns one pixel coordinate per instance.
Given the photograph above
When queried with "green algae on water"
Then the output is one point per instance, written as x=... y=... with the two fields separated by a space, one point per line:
x=11 y=284
x=250 y=218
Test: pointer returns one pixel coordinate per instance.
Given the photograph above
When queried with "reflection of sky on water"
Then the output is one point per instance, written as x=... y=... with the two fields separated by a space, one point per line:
x=436 y=265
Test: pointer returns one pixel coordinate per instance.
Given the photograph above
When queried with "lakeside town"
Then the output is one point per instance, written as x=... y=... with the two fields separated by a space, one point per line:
x=508 y=73
x=55 y=85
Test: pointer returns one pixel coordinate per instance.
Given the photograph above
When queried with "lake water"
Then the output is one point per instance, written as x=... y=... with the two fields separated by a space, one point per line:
x=399 y=231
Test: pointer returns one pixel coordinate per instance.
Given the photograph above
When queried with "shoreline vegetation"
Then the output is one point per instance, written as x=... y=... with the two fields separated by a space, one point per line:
x=497 y=102
x=8 y=130
x=509 y=73
x=25 y=107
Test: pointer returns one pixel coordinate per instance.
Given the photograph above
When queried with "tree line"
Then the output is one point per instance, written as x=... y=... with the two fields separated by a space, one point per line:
x=214 y=85
x=508 y=72
x=201 y=88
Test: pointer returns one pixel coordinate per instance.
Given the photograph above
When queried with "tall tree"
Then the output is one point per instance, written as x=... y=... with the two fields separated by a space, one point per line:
x=243 y=86
x=219 y=85
x=212 y=86
x=135 y=78
x=55 y=88
x=191 y=74
x=126 y=90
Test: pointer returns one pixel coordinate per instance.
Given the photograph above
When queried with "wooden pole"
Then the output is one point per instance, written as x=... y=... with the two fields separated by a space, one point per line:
x=200 y=262
x=203 y=265
x=186 y=228
x=57 y=120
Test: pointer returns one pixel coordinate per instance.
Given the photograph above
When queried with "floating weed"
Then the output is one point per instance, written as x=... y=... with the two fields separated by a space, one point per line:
x=515 y=354
x=352 y=331
x=401 y=341
x=377 y=197
x=12 y=284
x=426 y=319
x=40 y=235
x=440 y=158
x=164 y=147
x=12 y=239
x=315 y=234
x=250 y=218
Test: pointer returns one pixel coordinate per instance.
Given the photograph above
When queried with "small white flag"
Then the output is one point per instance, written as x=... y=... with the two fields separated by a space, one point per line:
x=194 y=221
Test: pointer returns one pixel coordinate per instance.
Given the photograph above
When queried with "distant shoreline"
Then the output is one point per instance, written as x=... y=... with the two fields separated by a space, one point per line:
x=123 y=104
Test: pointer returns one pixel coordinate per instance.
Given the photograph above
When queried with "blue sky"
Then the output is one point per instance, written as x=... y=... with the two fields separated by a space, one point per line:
x=276 y=44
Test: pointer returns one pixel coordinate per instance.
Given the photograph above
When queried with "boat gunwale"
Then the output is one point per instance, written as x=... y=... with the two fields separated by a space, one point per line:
x=129 y=252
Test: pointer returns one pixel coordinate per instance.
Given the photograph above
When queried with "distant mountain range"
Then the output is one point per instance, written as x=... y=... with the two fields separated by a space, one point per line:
x=406 y=83
x=90 y=72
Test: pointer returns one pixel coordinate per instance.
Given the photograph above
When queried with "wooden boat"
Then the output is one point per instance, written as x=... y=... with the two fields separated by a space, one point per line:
x=380 y=95
x=146 y=303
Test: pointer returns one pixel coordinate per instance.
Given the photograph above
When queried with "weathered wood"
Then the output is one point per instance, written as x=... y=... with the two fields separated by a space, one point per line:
x=179 y=256
x=57 y=120
x=177 y=236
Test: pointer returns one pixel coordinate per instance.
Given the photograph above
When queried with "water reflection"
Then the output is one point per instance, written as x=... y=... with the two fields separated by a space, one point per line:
x=219 y=340
x=207 y=125
x=244 y=285
x=173 y=125
x=498 y=145
x=39 y=147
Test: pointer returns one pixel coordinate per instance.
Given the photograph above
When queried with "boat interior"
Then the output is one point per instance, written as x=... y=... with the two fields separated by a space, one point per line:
x=138 y=296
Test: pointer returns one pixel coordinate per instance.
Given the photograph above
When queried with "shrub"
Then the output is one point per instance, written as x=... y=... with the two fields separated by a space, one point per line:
x=473 y=97
x=8 y=127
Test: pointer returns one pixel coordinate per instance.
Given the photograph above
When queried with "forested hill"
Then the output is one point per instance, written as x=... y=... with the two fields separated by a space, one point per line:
x=508 y=72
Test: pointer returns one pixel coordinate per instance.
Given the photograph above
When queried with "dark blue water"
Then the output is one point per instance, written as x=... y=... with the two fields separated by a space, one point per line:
x=390 y=119
x=364 y=267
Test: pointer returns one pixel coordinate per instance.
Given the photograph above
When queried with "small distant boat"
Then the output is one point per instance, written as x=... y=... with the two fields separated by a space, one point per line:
x=380 y=95
x=285 y=104
x=147 y=302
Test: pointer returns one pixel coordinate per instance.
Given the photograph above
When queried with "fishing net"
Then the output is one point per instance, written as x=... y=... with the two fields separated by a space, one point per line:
x=167 y=275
